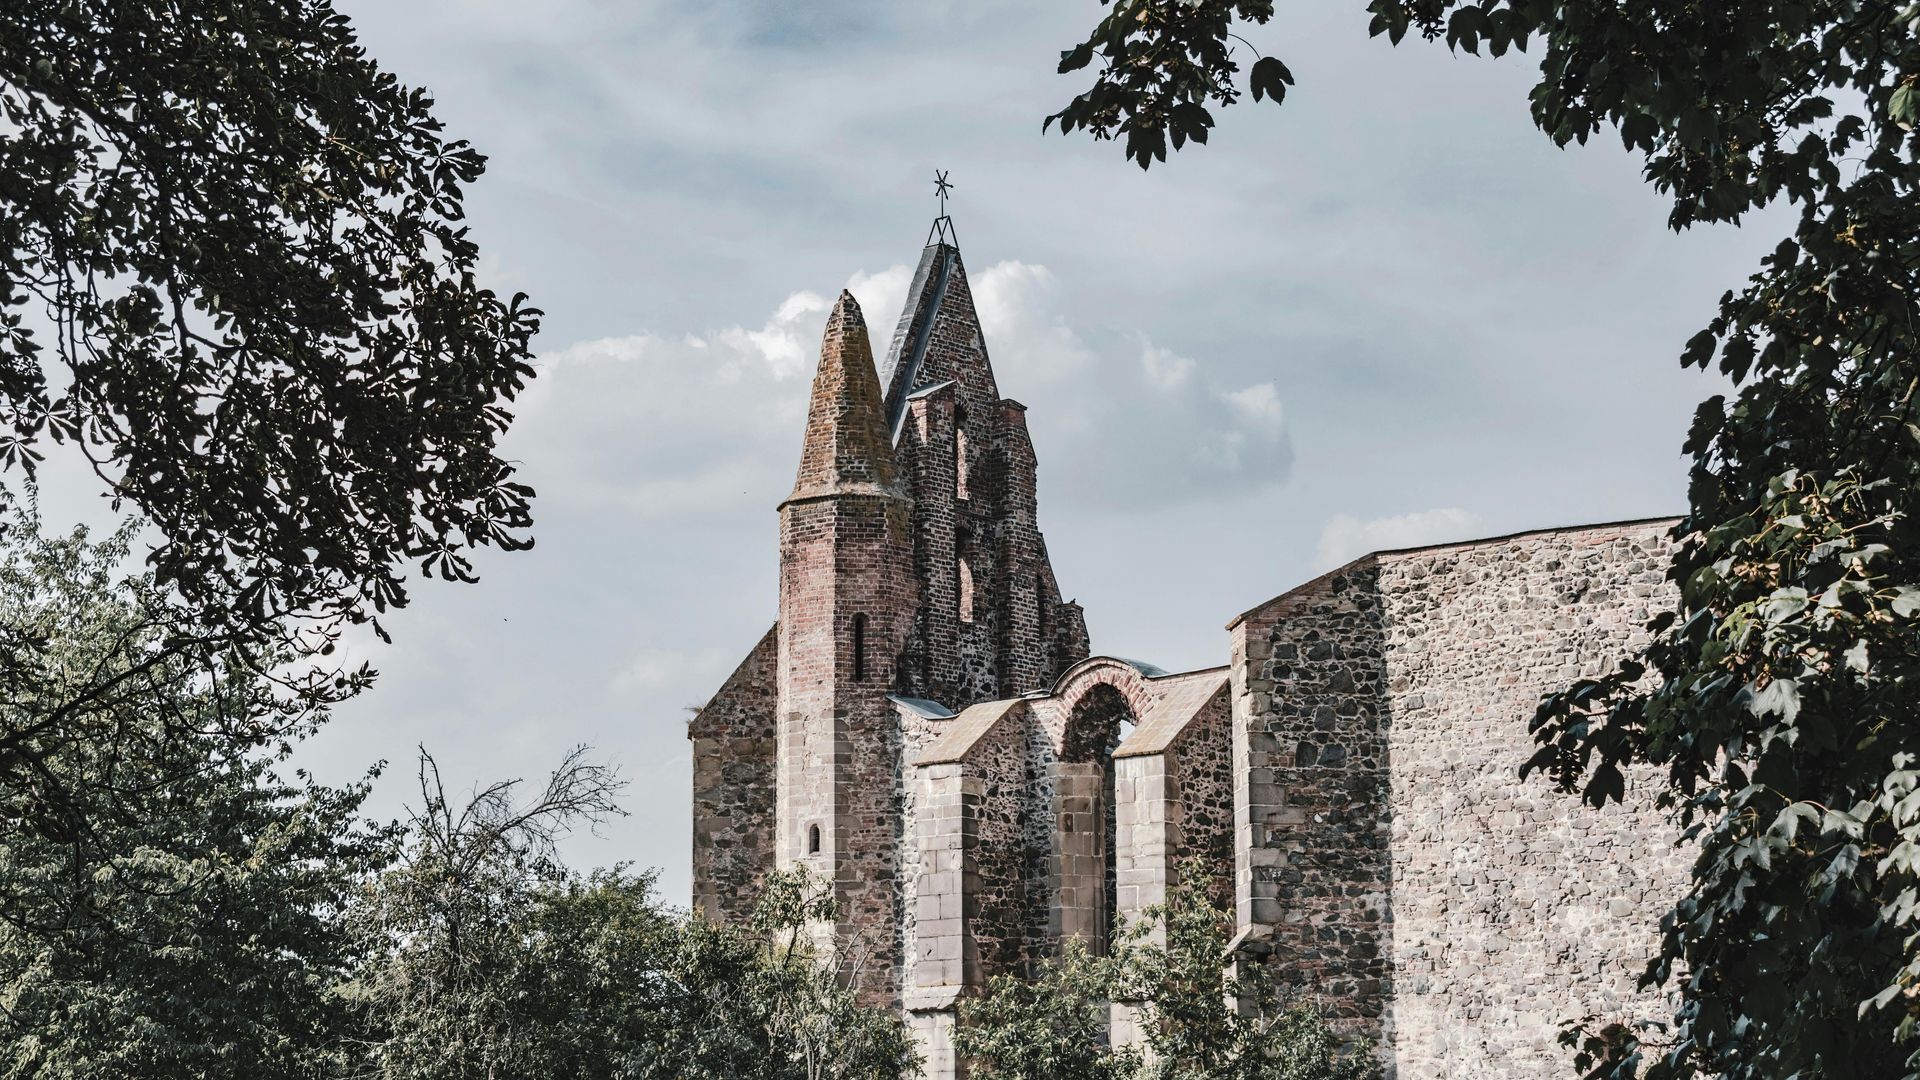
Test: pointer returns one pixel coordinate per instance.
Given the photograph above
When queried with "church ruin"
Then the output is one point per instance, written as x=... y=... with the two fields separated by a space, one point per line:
x=925 y=728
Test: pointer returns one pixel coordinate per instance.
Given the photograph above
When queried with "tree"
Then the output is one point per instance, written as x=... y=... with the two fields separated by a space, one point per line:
x=771 y=1004
x=1053 y=1026
x=447 y=928
x=1779 y=694
x=234 y=279
x=181 y=916
x=488 y=958
x=1203 y=1019
x=245 y=240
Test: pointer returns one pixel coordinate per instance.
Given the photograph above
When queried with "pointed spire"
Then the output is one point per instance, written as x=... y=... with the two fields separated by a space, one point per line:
x=848 y=447
x=938 y=338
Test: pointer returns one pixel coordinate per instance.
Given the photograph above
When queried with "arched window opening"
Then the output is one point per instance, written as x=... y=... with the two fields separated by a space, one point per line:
x=813 y=839
x=966 y=591
x=859 y=647
x=1099 y=722
x=960 y=455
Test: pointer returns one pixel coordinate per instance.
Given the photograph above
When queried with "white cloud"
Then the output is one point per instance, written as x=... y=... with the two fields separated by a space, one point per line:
x=657 y=427
x=711 y=421
x=1026 y=334
x=1165 y=368
x=1258 y=407
x=1346 y=537
x=783 y=343
x=1155 y=428
x=881 y=296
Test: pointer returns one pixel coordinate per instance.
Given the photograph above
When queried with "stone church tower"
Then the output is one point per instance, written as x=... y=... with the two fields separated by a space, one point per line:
x=925 y=729
x=913 y=577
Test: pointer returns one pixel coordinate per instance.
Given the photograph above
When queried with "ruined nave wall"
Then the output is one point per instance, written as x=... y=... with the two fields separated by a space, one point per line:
x=1391 y=857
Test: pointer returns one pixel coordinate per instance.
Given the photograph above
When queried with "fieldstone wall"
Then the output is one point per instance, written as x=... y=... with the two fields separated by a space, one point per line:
x=733 y=762
x=1200 y=780
x=1392 y=863
x=997 y=868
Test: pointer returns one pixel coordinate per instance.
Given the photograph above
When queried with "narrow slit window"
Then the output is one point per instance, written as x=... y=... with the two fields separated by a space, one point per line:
x=966 y=591
x=1040 y=604
x=813 y=839
x=859 y=647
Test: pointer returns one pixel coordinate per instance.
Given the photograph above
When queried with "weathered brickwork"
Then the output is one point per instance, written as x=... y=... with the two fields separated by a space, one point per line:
x=925 y=729
x=914 y=581
x=998 y=867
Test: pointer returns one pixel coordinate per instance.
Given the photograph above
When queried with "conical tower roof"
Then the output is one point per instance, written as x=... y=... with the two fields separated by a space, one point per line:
x=849 y=448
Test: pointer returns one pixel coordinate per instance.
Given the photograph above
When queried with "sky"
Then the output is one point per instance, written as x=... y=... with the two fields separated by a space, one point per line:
x=1386 y=314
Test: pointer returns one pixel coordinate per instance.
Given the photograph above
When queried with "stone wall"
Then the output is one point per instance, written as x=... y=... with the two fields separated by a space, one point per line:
x=1515 y=907
x=997 y=868
x=1317 y=843
x=1200 y=778
x=1392 y=862
x=733 y=827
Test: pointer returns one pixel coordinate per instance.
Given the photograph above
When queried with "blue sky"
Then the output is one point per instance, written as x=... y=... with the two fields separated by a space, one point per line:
x=1388 y=313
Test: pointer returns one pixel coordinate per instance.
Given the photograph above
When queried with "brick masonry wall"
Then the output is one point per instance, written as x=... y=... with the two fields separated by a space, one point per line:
x=1392 y=859
x=733 y=785
x=1318 y=860
x=840 y=746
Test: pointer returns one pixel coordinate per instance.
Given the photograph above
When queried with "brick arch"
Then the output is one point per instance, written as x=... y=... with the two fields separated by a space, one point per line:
x=1078 y=681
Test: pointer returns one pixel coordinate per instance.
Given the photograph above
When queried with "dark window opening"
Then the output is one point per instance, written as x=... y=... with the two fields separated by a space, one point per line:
x=1040 y=604
x=859 y=647
x=813 y=839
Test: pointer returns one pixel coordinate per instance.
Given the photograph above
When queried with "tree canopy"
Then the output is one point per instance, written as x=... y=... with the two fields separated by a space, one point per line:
x=1780 y=696
x=235 y=282
x=183 y=914
x=234 y=276
x=1202 y=1016
x=487 y=957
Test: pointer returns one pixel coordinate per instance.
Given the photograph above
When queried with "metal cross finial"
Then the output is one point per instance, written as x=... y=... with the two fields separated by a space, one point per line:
x=940 y=188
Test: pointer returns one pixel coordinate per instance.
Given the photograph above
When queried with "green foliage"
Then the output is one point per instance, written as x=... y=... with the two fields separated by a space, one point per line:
x=769 y=1002
x=233 y=275
x=1780 y=695
x=173 y=908
x=235 y=281
x=1052 y=1027
x=1203 y=1018
x=180 y=916
x=487 y=958
x=1162 y=62
x=1209 y=1020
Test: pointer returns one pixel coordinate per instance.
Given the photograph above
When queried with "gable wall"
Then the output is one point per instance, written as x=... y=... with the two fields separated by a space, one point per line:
x=1398 y=869
x=733 y=786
